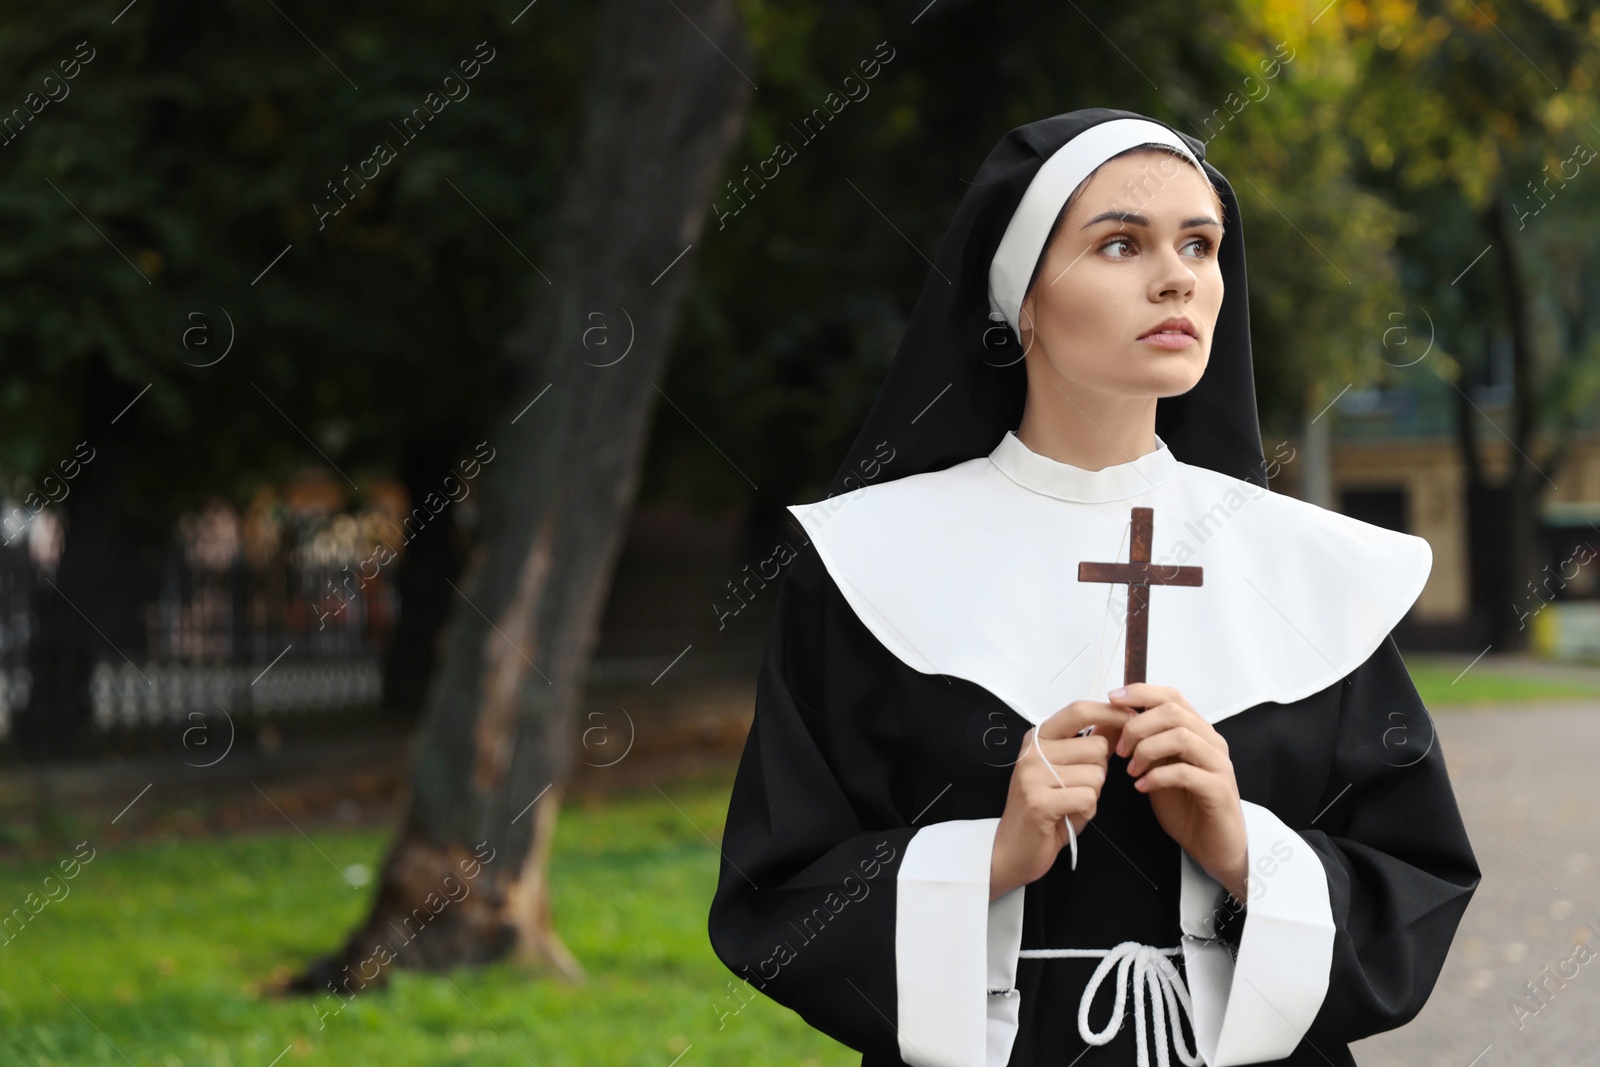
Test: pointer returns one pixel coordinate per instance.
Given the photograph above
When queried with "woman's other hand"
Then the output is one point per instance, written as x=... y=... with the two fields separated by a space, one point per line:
x=1032 y=829
x=1181 y=762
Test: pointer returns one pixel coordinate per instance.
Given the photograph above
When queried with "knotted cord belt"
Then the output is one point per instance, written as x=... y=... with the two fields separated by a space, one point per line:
x=1153 y=976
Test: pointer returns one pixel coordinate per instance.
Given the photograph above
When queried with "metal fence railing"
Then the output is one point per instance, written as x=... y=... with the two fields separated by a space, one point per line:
x=287 y=633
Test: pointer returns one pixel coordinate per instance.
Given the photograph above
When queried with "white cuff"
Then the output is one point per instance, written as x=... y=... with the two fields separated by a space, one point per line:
x=1259 y=1006
x=952 y=945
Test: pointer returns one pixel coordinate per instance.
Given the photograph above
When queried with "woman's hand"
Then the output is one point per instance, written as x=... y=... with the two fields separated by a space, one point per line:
x=1181 y=761
x=1031 y=830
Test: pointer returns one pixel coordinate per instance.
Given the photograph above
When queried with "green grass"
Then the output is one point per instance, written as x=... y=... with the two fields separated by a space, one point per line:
x=161 y=948
x=1436 y=683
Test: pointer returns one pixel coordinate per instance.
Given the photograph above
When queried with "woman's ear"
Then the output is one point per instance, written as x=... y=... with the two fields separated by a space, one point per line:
x=1025 y=322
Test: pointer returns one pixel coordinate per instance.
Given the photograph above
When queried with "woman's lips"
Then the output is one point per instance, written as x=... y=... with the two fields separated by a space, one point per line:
x=1168 y=341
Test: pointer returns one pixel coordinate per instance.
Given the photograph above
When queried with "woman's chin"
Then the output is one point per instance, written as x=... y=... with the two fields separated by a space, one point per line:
x=1172 y=373
x=1172 y=380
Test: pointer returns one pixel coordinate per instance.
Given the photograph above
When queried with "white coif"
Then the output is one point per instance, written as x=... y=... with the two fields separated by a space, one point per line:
x=1030 y=226
x=1153 y=977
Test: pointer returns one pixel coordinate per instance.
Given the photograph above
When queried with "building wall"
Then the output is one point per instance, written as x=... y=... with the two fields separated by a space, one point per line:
x=1430 y=472
x=1431 y=475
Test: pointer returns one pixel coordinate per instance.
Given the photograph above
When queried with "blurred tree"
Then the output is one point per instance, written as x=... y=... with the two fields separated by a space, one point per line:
x=196 y=280
x=668 y=86
x=1482 y=124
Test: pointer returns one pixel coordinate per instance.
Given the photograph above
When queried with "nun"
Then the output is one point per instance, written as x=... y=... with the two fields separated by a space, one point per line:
x=1074 y=743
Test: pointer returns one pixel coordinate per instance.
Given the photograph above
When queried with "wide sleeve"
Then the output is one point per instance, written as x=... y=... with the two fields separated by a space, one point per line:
x=877 y=932
x=1347 y=918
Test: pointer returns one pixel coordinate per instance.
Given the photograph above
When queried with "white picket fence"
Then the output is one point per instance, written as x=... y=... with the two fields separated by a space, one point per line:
x=127 y=697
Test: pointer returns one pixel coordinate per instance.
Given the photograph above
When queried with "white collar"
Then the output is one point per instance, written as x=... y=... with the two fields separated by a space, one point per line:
x=972 y=572
x=1040 y=473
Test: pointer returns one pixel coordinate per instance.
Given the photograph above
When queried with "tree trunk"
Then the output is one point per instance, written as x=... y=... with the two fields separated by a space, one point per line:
x=1524 y=483
x=1504 y=518
x=465 y=882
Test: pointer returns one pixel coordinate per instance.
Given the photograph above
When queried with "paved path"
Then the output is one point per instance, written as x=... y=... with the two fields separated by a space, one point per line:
x=1526 y=783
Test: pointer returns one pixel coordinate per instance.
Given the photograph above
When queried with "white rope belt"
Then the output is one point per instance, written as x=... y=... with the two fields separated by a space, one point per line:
x=1154 y=976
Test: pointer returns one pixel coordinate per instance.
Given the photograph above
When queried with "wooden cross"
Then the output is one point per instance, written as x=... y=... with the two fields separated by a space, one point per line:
x=1139 y=575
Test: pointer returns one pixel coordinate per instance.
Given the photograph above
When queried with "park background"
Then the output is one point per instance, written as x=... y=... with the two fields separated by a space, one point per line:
x=400 y=403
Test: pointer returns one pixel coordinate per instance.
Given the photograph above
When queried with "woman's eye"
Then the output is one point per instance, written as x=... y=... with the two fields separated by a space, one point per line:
x=1202 y=244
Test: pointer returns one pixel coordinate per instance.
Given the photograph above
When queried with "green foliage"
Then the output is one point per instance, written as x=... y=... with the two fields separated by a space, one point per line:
x=1461 y=108
x=803 y=295
x=193 y=149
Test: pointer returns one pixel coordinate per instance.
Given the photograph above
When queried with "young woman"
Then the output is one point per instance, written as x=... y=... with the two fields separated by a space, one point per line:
x=965 y=830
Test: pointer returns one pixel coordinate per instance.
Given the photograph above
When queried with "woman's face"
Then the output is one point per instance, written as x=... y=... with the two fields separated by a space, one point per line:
x=1137 y=248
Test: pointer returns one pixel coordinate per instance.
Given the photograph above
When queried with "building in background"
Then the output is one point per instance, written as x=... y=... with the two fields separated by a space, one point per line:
x=1394 y=460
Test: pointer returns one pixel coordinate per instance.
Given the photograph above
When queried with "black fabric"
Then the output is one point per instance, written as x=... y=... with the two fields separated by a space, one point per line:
x=849 y=745
x=1214 y=425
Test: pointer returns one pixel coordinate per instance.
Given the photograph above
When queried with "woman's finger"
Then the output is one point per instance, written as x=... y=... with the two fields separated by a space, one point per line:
x=1186 y=776
x=1080 y=713
x=1167 y=716
x=1095 y=748
x=1176 y=744
x=1064 y=776
x=1145 y=695
x=1079 y=803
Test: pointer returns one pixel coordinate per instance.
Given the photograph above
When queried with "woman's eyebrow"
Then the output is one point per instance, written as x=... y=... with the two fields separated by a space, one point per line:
x=1140 y=220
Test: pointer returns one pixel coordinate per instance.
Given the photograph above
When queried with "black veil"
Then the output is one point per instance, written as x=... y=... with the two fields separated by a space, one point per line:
x=941 y=403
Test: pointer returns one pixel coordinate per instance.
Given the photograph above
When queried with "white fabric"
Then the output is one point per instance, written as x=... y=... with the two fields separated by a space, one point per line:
x=972 y=572
x=1258 y=1007
x=950 y=940
x=1029 y=229
x=1152 y=977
